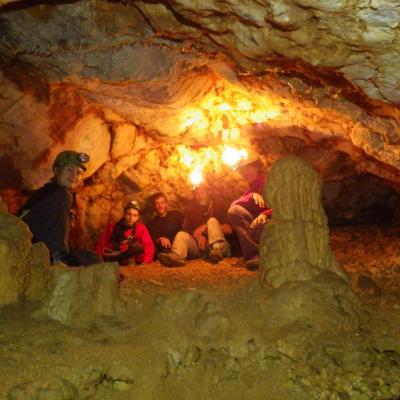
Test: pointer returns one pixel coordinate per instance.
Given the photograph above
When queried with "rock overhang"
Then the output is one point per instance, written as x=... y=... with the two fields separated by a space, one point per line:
x=120 y=79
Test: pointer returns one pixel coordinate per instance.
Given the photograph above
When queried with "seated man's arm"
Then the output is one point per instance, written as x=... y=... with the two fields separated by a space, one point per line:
x=200 y=238
x=261 y=219
x=163 y=242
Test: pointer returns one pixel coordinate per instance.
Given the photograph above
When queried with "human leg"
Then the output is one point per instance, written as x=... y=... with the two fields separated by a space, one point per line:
x=183 y=246
x=240 y=220
x=219 y=246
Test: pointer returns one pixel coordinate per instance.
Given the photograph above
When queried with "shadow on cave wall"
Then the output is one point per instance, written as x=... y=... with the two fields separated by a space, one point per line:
x=362 y=199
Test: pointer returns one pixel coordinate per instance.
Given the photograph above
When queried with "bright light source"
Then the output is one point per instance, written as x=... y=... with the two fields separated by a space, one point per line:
x=259 y=116
x=193 y=117
x=232 y=156
x=234 y=134
x=224 y=107
x=196 y=176
x=187 y=159
x=244 y=105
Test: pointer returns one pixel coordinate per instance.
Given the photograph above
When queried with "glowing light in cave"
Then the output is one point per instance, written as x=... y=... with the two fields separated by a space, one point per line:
x=208 y=159
x=232 y=156
x=193 y=117
x=224 y=107
x=196 y=176
x=224 y=114
x=259 y=116
x=186 y=157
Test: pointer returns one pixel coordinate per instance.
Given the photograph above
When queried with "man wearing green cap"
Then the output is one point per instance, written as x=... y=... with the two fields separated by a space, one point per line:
x=48 y=211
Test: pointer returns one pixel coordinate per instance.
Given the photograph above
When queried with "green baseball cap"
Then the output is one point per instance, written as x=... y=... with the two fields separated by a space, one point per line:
x=70 y=157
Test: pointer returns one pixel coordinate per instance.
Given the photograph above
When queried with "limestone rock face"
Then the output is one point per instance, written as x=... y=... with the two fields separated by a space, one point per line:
x=3 y=206
x=40 y=273
x=295 y=244
x=15 y=254
x=80 y=295
x=324 y=304
x=357 y=38
x=318 y=79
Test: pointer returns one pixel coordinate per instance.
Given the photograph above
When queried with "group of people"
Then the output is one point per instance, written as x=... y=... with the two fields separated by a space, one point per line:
x=171 y=236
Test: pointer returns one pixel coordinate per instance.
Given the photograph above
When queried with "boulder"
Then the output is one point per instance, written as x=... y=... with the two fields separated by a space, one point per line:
x=80 y=295
x=40 y=273
x=15 y=255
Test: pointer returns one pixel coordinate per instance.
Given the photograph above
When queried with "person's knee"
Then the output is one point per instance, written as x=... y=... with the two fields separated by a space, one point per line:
x=212 y=221
x=235 y=212
x=181 y=237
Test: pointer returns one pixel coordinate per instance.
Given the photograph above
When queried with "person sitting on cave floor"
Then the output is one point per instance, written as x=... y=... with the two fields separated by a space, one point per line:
x=165 y=224
x=249 y=213
x=49 y=212
x=127 y=241
x=202 y=234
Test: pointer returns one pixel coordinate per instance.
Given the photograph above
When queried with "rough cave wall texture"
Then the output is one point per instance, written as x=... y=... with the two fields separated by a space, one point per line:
x=295 y=243
x=128 y=82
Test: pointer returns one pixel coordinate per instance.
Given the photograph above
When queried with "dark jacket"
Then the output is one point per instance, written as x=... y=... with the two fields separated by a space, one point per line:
x=47 y=213
x=167 y=226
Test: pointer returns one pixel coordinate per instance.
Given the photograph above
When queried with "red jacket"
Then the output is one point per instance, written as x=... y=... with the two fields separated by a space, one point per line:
x=141 y=235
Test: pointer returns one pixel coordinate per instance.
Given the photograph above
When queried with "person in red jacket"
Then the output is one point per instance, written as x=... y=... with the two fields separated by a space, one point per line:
x=127 y=239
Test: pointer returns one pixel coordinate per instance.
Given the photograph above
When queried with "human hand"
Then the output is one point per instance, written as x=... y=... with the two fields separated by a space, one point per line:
x=165 y=242
x=226 y=228
x=135 y=248
x=258 y=199
x=260 y=220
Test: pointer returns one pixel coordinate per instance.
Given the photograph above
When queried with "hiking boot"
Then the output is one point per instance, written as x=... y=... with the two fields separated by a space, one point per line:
x=219 y=250
x=171 y=260
x=216 y=254
x=253 y=264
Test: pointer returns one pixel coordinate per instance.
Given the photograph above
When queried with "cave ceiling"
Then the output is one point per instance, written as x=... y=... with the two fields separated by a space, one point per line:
x=315 y=77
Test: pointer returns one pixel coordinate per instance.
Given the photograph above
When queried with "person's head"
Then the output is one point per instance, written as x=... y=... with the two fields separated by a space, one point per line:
x=68 y=168
x=201 y=195
x=160 y=204
x=250 y=170
x=131 y=212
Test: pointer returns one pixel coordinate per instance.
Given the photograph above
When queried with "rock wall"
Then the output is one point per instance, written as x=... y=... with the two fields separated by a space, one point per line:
x=15 y=255
x=138 y=78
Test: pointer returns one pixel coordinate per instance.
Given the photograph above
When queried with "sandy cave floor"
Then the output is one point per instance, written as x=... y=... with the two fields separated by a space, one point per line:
x=370 y=255
x=41 y=359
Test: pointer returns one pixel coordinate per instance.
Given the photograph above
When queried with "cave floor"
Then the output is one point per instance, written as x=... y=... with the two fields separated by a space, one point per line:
x=370 y=255
x=195 y=332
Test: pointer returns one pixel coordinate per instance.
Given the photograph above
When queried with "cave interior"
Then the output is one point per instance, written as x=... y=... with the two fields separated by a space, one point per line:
x=160 y=92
